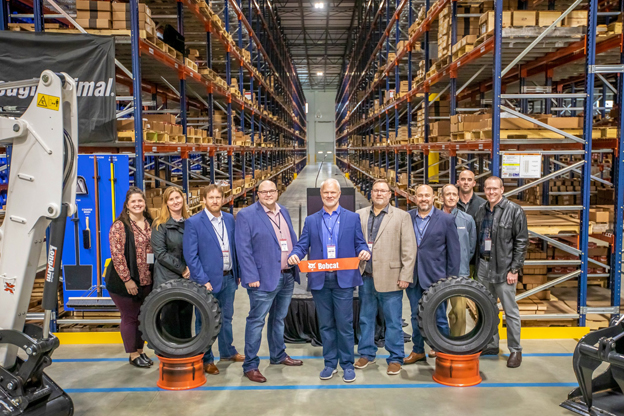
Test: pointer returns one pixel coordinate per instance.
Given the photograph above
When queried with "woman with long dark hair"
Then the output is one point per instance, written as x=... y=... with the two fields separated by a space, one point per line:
x=129 y=277
x=169 y=264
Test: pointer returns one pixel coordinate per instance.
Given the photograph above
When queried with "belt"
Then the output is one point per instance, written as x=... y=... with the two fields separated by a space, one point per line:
x=486 y=258
x=367 y=275
x=286 y=271
x=227 y=272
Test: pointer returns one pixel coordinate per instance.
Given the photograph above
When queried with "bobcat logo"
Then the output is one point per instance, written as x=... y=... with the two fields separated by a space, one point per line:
x=312 y=266
x=9 y=287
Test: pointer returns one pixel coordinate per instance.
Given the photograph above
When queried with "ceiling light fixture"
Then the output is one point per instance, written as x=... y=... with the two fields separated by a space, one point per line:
x=319 y=5
x=319 y=73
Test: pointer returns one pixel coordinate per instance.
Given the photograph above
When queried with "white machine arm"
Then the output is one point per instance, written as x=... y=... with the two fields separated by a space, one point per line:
x=42 y=180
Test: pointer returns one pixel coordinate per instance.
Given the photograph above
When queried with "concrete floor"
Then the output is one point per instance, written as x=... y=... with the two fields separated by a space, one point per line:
x=101 y=382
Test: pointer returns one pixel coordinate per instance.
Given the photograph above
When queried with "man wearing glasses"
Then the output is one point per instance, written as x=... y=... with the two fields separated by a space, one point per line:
x=390 y=237
x=265 y=236
x=333 y=233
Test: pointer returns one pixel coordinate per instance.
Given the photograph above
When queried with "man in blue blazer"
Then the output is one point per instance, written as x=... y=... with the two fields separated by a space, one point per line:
x=265 y=236
x=438 y=256
x=210 y=252
x=332 y=233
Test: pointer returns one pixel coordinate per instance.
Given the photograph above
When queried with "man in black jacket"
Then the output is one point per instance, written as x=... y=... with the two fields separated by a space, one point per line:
x=502 y=245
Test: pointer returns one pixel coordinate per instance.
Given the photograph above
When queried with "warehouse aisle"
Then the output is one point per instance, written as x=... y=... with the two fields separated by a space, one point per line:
x=295 y=194
x=101 y=382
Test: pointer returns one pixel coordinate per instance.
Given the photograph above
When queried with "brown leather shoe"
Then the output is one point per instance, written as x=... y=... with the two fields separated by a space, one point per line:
x=211 y=368
x=394 y=368
x=432 y=354
x=515 y=359
x=362 y=363
x=255 y=376
x=291 y=362
x=236 y=358
x=414 y=358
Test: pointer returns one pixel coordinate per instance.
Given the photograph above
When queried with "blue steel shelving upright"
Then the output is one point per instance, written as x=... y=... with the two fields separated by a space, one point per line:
x=359 y=91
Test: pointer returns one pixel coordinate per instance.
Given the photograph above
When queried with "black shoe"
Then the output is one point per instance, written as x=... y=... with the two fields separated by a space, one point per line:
x=139 y=362
x=146 y=358
x=490 y=351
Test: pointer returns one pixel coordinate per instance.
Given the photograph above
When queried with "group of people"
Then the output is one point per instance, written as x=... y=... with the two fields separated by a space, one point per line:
x=398 y=251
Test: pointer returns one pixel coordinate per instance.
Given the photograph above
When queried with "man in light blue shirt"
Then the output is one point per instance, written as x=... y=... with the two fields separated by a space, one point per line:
x=467 y=231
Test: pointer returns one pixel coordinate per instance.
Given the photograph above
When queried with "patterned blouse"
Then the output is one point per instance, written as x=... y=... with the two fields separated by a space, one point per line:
x=142 y=237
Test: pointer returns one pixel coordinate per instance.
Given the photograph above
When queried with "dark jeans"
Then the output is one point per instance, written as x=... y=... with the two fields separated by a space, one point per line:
x=226 y=302
x=391 y=303
x=129 y=309
x=176 y=318
x=414 y=294
x=334 y=307
x=275 y=304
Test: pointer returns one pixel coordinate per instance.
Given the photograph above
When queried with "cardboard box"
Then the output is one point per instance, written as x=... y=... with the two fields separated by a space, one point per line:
x=565 y=122
x=93 y=15
x=547 y=18
x=94 y=23
x=144 y=24
x=524 y=18
x=486 y=22
x=125 y=8
x=104 y=6
x=596 y=215
x=576 y=18
x=165 y=118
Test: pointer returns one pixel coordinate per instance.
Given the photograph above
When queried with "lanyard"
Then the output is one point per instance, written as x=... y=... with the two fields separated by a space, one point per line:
x=420 y=236
x=279 y=225
x=331 y=232
x=222 y=236
x=139 y=229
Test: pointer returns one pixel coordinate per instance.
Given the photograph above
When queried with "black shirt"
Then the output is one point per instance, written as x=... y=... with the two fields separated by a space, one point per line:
x=374 y=222
x=472 y=206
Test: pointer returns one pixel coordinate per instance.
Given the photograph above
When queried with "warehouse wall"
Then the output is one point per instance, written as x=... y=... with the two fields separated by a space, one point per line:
x=321 y=123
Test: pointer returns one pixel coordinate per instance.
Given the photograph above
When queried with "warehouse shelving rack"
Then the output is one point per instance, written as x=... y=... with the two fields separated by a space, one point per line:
x=146 y=69
x=515 y=56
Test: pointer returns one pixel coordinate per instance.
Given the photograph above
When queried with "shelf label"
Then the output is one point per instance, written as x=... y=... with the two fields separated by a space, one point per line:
x=522 y=166
x=151 y=51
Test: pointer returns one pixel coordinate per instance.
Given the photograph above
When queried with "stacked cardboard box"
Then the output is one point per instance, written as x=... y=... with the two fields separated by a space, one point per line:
x=121 y=17
x=93 y=14
x=465 y=26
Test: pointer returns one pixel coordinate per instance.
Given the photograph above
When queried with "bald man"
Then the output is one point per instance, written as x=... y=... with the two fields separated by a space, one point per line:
x=438 y=256
x=469 y=202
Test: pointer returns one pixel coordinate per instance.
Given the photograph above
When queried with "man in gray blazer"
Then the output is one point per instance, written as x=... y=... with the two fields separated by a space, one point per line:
x=390 y=237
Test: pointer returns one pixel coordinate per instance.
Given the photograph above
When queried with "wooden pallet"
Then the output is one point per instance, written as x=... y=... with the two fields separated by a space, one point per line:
x=125 y=136
x=155 y=136
x=462 y=136
x=554 y=224
x=462 y=51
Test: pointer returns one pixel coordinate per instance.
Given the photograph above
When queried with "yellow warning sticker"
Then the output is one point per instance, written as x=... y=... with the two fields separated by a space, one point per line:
x=48 y=101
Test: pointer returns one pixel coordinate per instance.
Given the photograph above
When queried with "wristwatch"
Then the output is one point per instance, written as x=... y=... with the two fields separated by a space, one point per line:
x=514 y=271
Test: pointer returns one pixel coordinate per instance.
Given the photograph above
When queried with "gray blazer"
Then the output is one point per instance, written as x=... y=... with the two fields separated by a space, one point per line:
x=394 y=249
x=467 y=231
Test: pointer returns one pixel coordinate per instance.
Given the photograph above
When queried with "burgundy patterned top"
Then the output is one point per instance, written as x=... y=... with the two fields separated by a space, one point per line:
x=142 y=237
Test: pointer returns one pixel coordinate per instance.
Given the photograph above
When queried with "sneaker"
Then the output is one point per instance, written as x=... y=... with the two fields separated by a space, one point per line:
x=328 y=373
x=394 y=368
x=363 y=363
x=349 y=375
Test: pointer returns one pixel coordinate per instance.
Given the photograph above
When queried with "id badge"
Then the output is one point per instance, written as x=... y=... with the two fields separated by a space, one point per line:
x=150 y=258
x=226 y=256
x=283 y=245
x=488 y=244
x=370 y=246
x=331 y=252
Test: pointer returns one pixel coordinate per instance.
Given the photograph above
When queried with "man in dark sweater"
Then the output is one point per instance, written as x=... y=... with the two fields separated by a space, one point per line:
x=469 y=202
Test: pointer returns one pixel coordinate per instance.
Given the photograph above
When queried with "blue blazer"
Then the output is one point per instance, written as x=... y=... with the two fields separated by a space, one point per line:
x=350 y=243
x=202 y=250
x=439 y=254
x=259 y=253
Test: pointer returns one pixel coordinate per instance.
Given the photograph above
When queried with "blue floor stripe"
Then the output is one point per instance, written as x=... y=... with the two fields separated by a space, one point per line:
x=320 y=387
x=297 y=357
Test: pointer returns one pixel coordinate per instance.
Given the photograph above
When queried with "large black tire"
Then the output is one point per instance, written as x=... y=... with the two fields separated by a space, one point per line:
x=180 y=290
x=474 y=341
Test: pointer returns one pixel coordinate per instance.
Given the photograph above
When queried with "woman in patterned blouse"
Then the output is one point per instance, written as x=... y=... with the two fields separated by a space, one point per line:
x=130 y=280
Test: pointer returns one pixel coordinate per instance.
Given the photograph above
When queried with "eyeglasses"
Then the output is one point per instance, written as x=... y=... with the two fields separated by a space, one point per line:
x=380 y=191
x=271 y=192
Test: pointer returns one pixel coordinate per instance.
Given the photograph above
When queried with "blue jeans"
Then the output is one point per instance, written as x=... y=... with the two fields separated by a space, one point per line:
x=275 y=304
x=391 y=304
x=226 y=302
x=334 y=308
x=414 y=294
